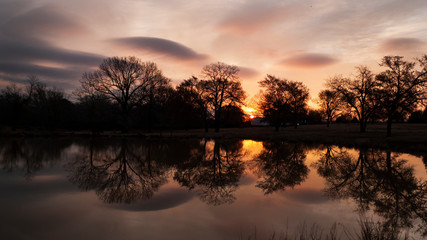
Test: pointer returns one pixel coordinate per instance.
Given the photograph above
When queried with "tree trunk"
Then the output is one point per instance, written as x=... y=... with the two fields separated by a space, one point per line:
x=362 y=125
x=217 y=120
x=328 y=122
x=125 y=114
x=389 y=121
x=150 y=110
x=205 y=119
x=277 y=126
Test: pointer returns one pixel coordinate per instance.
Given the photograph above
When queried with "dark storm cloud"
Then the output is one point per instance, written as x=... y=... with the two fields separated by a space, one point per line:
x=402 y=45
x=161 y=46
x=160 y=201
x=309 y=60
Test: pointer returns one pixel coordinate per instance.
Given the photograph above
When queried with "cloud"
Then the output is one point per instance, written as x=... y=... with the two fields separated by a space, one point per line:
x=32 y=69
x=309 y=60
x=250 y=18
x=55 y=65
x=161 y=46
x=37 y=50
x=48 y=20
x=402 y=45
x=246 y=72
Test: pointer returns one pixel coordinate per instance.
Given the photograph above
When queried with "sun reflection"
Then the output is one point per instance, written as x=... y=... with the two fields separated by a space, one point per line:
x=252 y=149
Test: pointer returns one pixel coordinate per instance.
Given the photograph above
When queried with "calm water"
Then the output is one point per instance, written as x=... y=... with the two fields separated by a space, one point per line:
x=197 y=189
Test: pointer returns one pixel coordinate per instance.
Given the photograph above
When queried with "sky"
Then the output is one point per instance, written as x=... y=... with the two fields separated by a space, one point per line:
x=300 y=40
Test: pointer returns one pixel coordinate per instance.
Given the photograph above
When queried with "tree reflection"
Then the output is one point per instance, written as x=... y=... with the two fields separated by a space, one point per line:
x=122 y=172
x=280 y=165
x=30 y=155
x=213 y=170
x=377 y=180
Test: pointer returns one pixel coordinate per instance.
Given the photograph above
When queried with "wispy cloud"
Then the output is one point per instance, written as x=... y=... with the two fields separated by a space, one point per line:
x=402 y=45
x=252 y=17
x=246 y=72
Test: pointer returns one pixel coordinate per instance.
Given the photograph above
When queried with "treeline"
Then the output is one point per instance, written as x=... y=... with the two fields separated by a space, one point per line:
x=126 y=93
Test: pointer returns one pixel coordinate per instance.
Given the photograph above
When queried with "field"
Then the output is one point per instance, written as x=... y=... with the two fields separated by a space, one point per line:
x=407 y=137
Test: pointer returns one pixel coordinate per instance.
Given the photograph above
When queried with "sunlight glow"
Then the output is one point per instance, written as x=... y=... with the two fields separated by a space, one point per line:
x=248 y=110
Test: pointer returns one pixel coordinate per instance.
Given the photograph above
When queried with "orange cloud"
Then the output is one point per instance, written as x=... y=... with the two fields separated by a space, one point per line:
x=309 y=60
x=402 y=45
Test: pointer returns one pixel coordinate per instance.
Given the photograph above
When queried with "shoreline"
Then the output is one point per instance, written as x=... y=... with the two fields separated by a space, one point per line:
x=406 y=137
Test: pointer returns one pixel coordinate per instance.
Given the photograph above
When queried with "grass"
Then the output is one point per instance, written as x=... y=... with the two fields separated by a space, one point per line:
x=405 y=137
x=368 y=230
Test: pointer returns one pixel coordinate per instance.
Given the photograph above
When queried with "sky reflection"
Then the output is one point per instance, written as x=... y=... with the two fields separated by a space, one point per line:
x=203 y=189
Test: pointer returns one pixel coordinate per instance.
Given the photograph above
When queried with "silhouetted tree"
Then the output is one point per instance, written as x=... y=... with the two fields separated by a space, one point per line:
x=157 y=90
x=125 y=80
x=233 y=116
x=401 y=86
x=418 y=116
x=330 y=105
x=283 y=100
x=12 y=106
x=314 y=116
x=221 y=87
x=189 y=104
x=298 y=96
x=273 y=102
x=280 y=165
x=96 y=112
x=47 y=107
x=358 y=94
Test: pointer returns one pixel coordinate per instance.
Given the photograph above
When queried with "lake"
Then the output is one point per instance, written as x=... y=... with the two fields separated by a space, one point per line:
x=114 y=188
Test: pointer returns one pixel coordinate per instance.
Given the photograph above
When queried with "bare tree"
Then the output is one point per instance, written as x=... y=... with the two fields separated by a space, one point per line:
x=298 y=96
x=273 y=101
x=125 y=80
x=330 y=105
x=222 y=87
x=401 y=86
x=192 y=91
x=283 y=100
x=358 y=94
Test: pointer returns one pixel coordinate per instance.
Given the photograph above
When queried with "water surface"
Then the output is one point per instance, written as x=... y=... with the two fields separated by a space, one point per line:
x=202 y=189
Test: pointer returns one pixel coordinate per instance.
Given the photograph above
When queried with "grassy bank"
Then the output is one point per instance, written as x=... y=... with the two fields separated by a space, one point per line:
x=405 y=137
x=408 y=136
